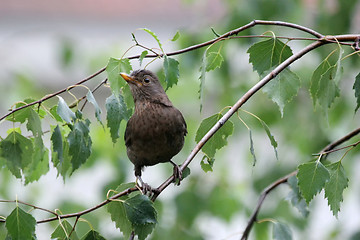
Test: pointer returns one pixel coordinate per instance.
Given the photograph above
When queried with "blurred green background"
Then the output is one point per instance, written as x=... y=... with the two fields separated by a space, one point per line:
x=45 y=47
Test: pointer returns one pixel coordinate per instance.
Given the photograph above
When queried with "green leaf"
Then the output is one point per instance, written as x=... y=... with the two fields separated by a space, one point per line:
x=140 y=210
x=113 y=69
x=176 y=36
x=90 y=97
x=37 y=168
x=22 y=114
x=207 y=166
x=335 y=186
x=79 y=143
x=64 y=111
x=60 y=150
x=219 y=139
x=63 y=167
x=142 y=56
x=57 y=144
x=117 y=212
x=128 y=98
x=133 y=214
x=116 y=112
x=186 y=173
x=283 y=88
x=270 y=136
x=19 y=116
x=266 y=54
x=10 y=130
x=328 y=89
x=281 y=231
x=154 y=36
x=209 y=62
x=295 y=197
x=142 y=231
x=20 y=225
x=338 y=65
x=213 y=61
x=171 y=70
x=252 y=151
x=18 y=151
x=316 y=77
x=312 y=177
x=356 y=87
x=34 y=125
x=93 y=235
x=63 y=230
x=54 y=114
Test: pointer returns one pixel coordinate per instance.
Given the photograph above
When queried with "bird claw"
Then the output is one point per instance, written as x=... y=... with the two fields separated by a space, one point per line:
x=145 y=188
x=177 y=174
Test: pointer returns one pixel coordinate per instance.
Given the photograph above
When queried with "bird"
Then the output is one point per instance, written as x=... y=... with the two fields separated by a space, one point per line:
x=156 y=131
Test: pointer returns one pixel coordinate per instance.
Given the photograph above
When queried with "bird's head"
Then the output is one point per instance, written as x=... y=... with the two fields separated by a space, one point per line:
x=145 y=85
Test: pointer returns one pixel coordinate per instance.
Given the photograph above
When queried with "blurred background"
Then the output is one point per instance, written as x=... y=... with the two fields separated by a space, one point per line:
x=46 y=46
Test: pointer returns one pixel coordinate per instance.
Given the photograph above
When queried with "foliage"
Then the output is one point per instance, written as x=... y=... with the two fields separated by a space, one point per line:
x=72 y=137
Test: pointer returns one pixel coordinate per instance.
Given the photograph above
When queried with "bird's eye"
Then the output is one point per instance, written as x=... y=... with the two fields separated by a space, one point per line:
x=146 y=80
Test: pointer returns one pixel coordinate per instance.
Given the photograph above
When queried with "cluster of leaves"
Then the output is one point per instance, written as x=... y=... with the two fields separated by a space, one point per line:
x=312 y=177
x=133 y=213
x=27 y=157
x=21 y=225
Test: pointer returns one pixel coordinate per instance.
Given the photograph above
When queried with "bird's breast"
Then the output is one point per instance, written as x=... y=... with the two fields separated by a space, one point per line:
x=156 y=133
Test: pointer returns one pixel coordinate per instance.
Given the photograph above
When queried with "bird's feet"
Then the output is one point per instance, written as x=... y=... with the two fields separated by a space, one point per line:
x=177 y=173
x=145 y=188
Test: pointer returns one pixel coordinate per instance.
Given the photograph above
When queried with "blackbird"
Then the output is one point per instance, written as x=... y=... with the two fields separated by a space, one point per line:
x=155 y=132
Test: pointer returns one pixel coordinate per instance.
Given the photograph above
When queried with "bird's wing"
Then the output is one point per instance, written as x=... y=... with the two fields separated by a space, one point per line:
x=127 y=135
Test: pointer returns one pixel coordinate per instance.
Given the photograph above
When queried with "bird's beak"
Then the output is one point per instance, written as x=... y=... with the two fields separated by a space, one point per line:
x=129 y=79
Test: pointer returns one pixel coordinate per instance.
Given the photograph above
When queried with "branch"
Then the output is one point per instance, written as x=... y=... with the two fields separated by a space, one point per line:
x=351 y=37
x=79 y=214
x=263 y=195
x=30 y=205
x=332 y=145
x=47 y=97
x=237 y=105
x=321 y=40
x=268 y=189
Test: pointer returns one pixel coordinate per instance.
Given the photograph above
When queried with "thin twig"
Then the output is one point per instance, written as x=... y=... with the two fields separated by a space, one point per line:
x=94 y=90
x=73 y=228
x=332 y=145
x=30 y=205
x=262 y=197
x=339 y=149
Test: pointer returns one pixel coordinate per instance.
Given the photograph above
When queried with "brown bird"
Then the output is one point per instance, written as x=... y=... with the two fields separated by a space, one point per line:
x=155 y=132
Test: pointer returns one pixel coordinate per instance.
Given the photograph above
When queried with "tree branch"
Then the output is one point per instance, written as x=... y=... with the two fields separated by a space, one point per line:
x=268 y=189
x=332 y=145
x=47 y=97
x=326 y=39
x=321 y=40
x=79 y=214
x=263 y=195
x=237 y=105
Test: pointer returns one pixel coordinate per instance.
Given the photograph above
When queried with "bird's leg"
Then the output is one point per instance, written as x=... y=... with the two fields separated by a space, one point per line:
x=145 y=188
x=177 y=173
